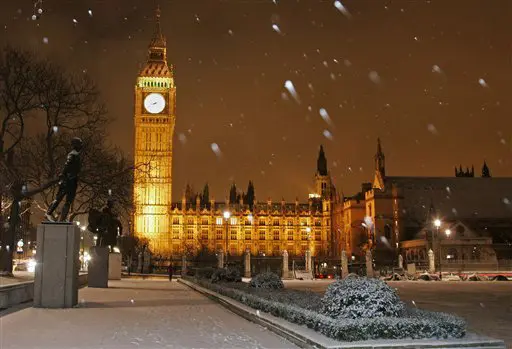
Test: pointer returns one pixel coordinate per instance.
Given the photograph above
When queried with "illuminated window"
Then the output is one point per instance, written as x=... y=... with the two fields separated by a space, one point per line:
x=218 y=234
x=318 y=223
x=175 y=220
x=190 y=221
x=262 y=234
x=218 y=221
x=276 y=221
x=290 y=222
x=204 y=221
x=290 y=235
x=276 y=234
x=247 y=235
x=233 y=220
x=262 y=222
x=190 y=234
x=304 y=234
x=233 y=234
x=176 y=234
x=204 y=234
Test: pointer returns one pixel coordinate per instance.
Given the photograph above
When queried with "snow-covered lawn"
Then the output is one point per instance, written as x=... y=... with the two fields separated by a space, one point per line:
x=136 y=314
x=19 y=276
x=486 y=306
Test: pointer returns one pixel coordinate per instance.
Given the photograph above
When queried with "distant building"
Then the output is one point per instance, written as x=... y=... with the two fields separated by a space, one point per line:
x=401 y=212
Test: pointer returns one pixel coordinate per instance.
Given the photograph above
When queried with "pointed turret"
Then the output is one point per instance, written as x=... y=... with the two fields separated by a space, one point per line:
x=156 y=65
x=321 y=163
x=486 y=173
x=380 y=159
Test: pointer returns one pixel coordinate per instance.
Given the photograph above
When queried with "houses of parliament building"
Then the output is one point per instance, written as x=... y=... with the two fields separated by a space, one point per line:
x=240 y=223
x=391 y=214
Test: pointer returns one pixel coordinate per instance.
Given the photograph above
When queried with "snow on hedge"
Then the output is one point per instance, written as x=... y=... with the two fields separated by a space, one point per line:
x=356 y=297
x=413 y=324
x=267 y=280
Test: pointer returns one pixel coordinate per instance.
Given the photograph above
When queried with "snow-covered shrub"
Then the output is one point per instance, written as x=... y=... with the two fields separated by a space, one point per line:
x=414 y=323
x=205 y=273
x=218 y=275
x=360 y=297
x=233 y=275
x=229 y=274
x=267 y=280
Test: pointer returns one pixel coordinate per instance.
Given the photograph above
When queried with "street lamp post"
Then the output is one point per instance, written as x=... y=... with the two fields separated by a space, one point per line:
x=437 y=224
x=227 y=215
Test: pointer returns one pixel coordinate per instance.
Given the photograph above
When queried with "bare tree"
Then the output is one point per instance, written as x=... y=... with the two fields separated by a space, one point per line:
x=57 y=106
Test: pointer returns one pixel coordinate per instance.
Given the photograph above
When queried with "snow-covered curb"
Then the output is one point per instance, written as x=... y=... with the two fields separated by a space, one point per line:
x=308 y=338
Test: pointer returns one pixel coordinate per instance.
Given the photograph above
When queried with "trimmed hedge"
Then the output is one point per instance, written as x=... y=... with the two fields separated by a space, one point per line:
x=413 y=324
x=357 y=297
x=267 y=280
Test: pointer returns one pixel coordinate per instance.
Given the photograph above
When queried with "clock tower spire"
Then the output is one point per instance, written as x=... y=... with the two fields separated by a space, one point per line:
x=154 y=118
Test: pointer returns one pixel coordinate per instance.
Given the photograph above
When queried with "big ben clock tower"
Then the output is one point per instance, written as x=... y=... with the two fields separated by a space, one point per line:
x=155 y=116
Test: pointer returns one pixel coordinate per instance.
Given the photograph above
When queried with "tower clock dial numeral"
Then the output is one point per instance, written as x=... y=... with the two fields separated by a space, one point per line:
x=154 y=103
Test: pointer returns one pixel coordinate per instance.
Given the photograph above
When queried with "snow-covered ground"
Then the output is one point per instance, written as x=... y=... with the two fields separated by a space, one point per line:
x=486 y=305
x=136 y=314
x=19 y=276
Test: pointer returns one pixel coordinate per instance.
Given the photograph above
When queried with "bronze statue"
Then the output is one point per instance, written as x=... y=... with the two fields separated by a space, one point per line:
x=106 y=224
x=68 y=182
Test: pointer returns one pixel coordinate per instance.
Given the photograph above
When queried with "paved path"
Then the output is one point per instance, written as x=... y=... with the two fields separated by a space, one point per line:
x=136 y=314
x=487 y=306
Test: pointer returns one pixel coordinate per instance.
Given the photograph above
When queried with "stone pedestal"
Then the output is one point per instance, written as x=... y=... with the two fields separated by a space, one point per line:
x=98 y=267
x=344 y=264
x=369 y=264
x=247 y=264
x=286 y=272
x=114 y=266
x=57 y=258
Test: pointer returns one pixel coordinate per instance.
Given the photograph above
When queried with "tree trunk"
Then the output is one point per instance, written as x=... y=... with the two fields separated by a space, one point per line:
x=9 y=243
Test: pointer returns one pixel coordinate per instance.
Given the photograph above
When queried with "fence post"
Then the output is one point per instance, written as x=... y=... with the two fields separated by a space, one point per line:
x=183 y=265
x=344 y=264
x=247 y=266
x=431 y=262
x=369 y=264
x=286 y=272
x=220 y=259
x=308 y=261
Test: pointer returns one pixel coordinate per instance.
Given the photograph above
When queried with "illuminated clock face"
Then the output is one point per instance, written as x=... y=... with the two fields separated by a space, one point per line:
x=154 y=103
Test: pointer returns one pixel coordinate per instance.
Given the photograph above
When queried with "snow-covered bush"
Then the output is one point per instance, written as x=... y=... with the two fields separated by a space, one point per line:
x=229 y=274
x=218 y=275
x=360 y=297
x=413 y=324
x=233 y=275
x=267 y=280
x=205 y=273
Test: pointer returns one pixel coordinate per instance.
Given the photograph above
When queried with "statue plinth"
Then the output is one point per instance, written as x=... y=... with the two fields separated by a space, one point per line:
x=57 y=265
x=98 y=267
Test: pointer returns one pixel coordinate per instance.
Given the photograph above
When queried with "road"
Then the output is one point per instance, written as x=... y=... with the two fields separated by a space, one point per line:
x=487 y=306
x=135 y=314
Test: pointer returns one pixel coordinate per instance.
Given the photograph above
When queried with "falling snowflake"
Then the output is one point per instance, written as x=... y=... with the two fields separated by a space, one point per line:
x=325 y=116
x=288 y=85
x=55 y=129
x=276 y=28
x=482 y=82
x=45 y=40
x=90 y=12
x=506 y=201
x=432 y=129
x=374 y=77
x=342 y=8
x=436 y=69
x=216 y=149
x=328 y=135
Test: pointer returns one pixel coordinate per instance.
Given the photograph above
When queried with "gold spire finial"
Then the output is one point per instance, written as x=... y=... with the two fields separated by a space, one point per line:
x=158 y=12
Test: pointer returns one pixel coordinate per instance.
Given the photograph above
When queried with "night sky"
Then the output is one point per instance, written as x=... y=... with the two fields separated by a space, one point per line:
x=432 y=78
